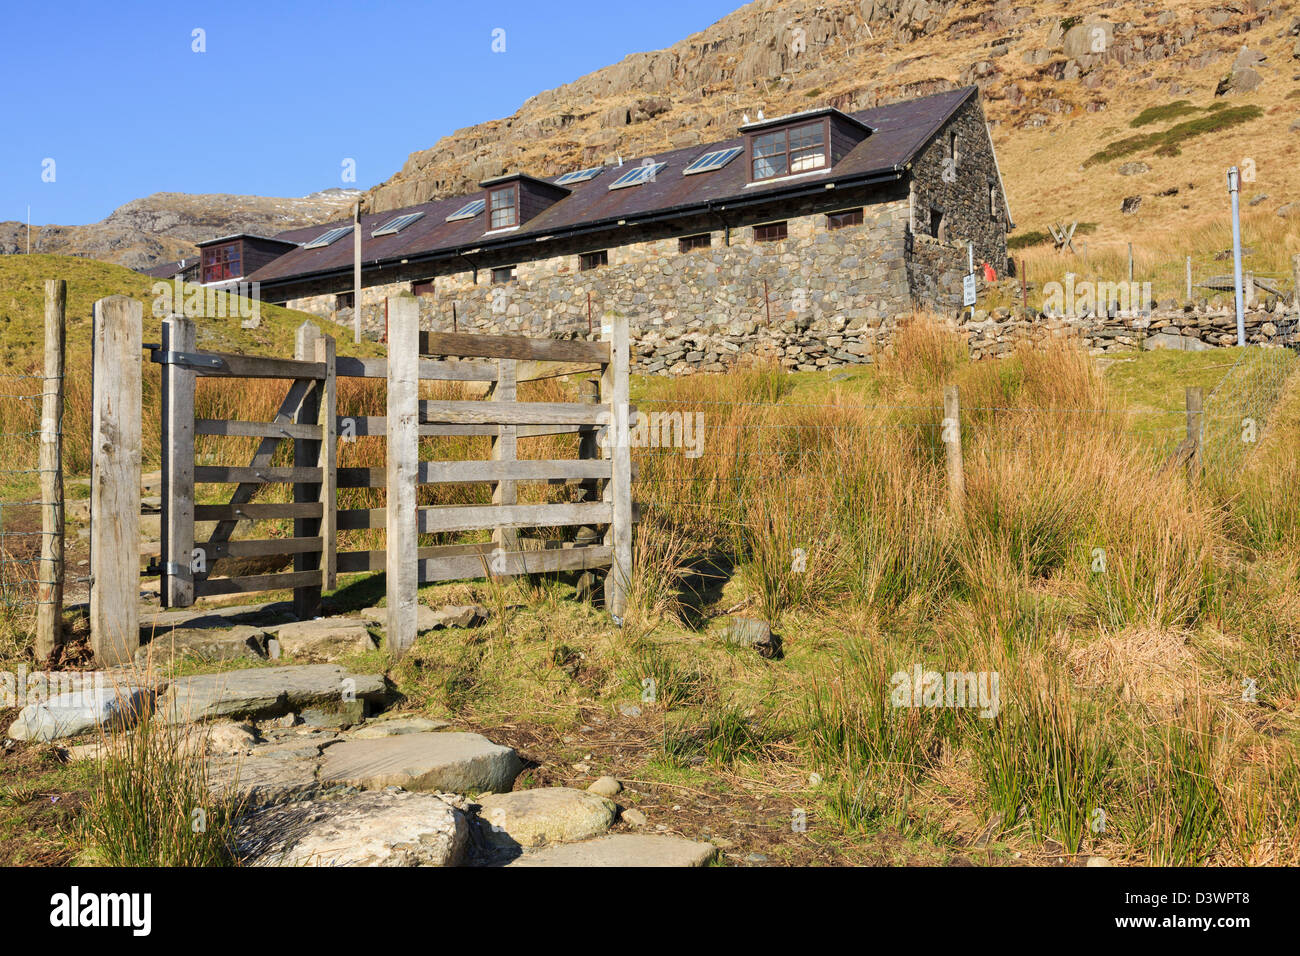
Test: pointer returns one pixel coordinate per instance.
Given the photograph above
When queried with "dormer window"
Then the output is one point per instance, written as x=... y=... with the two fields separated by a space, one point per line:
x=223 y=262
x=785 y=152
x=503 y=204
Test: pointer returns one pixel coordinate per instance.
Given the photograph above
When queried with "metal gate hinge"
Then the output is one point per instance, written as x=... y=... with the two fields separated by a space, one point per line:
x=160 y=357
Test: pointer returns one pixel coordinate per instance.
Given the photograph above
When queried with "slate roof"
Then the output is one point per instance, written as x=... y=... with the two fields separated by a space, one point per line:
x=900 y=130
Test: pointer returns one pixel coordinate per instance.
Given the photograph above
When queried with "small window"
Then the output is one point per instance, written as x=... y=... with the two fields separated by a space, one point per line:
x=222 y=262
x=787 y=151
x=770 y=232
x=953 y=154
x=846 y=217
x=344 y=300
x=422 y=287
x=503 y=274
x=504 y=208
x=690 y=243
x=592 y=260
x=936 y=229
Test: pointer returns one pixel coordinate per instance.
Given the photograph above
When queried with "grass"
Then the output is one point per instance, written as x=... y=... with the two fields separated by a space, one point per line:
x=1169 y=142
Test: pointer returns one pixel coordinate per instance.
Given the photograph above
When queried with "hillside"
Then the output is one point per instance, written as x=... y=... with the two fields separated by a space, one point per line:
x=1170 y=89
x=163 y=227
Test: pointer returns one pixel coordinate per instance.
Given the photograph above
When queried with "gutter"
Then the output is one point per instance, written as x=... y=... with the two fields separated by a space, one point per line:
x=893 y=174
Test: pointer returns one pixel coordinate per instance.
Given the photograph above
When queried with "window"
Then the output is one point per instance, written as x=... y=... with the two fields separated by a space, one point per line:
x=688 y=243
x=770 y=232
x=344 y=300
x=937 y=229
x=579 y=176
x=397 y=224
x=503 y=274
x=422 y=287
x=845 y=217
x=468 y=211
x=326 y=238
x=786 y=151
x=592 y=260
x=711 y=161
x=505 y=208
x=637 y=175
x=222 y=262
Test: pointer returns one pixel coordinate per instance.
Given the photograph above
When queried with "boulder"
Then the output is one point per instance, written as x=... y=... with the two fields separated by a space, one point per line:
x=453 y=761
x=623 y=849
x=204 y=644
x=390 y=828
x=749 y=632
x=82 y=711
x=269 y=692
x=531 y=818
x=323 y=639
x=394 y=726
x=262 y=780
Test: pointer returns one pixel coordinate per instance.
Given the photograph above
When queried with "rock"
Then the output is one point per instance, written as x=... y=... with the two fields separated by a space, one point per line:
x=748 y=632
x=1098 y=861
x=531 y=818
x=1288 y=210
x=228 y=737
x=269 y=692
x=1238 y=81
x=623 y=849
x=633 y=817
x=1133 y=169
x=606 y=786
x=454 y=615
x=81 y=711
x=1168 y=340
x=1130 y=205
x=453 y=761
x=263 y=780
x=397 y=725
x=629 y=710
x=391 y=828
x=323 y=639
x=204 y=644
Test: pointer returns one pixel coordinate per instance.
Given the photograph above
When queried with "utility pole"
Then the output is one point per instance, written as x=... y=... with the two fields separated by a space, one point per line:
x=356 y=272
x=29 y=229
x=1233 y=177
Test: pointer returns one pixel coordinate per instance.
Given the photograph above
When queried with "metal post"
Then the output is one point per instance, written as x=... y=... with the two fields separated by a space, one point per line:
x=356 y=272
x=1233 y=178
x=1189 y=278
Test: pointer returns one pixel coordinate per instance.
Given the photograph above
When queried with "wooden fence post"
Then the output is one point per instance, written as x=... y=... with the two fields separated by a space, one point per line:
x=504 y=445
x=307 y=454
x=178 y=335
x=49 y=618
x=402 y=518
x=618 y=490
x=951 y=435
x=115 y=481
x=1195 y=429
x=1189 y=278
x=328 y=461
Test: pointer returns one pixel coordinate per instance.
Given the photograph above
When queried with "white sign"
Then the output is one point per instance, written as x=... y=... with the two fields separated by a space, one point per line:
x=968 y=289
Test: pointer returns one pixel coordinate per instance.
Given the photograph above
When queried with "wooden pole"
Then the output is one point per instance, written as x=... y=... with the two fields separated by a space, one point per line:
x=1295 y=277
x=504 y=389
x=1195 y=429
x=178 y=335
x=307 y=454
x=49 y=619
x=115 y=481
x=1130 y=262
x=1024 y=286
x=951 y=435
x=402 y=519
x=328 y=459
x=356 y=272
x=1189 y=278
x=618 y=490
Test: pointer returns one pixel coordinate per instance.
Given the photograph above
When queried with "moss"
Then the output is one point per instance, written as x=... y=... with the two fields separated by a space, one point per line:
x=1168 y=142
x=1159 y=114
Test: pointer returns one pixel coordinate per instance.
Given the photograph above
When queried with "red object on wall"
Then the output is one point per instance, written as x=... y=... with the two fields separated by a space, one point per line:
x=990 y=275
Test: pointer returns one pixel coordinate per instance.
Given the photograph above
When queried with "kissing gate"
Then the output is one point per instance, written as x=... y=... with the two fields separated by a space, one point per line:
x=308 y=418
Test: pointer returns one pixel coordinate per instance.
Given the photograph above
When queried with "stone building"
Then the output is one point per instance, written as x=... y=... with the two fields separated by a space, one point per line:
x=803 y=239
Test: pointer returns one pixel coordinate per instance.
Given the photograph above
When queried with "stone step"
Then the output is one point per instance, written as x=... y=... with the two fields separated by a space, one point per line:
x=326 y=690
x=546 y=815
x=445 y=761
x=622 y=849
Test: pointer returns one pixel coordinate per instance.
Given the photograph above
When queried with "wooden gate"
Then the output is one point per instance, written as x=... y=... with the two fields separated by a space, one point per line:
x=308 y=418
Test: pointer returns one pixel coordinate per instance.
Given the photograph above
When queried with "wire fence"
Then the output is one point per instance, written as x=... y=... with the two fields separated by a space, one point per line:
x=20 y=493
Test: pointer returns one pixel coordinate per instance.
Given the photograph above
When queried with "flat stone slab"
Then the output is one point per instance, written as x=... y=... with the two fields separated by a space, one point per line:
x=531 y=818
x=322 y=639
x=81 y=710
x=451 y=761
x=268 y=692
x=397 y=725
x=360 y=829
x=622 y=849
x=428 y=619
x=205 y=644
x=159 y=621
x=263 y=781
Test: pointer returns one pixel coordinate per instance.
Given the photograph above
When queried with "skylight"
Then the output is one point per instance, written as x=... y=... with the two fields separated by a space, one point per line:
x=637 y=175
x=397 y=224
x=714 y=160
x=579 y=176
x=326 y=238
x=468 y=211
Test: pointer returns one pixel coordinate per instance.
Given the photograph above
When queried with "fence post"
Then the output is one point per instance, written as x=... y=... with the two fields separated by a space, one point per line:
x=951 y=435
x=1189 y=278
x=402 y=519
x=49 y=618
x=328 y=460
x=307 y=453
x=177 y=466
x=1130 y=263
x=115 y=481
x=618 y=491
x=504 y=444
x=1195 y=429
x=1295 y=277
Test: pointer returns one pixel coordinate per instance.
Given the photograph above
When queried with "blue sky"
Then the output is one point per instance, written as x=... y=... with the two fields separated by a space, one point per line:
x=114 y=94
